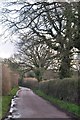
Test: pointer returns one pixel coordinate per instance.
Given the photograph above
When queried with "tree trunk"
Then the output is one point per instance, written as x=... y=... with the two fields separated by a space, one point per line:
x=65 y=65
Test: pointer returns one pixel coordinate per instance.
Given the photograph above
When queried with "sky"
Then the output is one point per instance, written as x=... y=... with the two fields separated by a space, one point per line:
x=7 y=49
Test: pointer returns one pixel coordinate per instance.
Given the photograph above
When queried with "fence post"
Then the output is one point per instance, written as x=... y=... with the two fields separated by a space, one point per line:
x=0 y=89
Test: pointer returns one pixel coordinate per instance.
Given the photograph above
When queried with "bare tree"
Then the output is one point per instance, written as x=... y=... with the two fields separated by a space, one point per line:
x=36 y=57
x=53 y=22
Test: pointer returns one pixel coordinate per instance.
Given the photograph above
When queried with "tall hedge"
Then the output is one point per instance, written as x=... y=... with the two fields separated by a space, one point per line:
x=30 y=83
x=64 y=89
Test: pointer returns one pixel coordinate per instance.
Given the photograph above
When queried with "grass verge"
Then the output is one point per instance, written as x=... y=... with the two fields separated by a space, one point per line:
x=70 y=107
x=0 y=107
x=7 y=99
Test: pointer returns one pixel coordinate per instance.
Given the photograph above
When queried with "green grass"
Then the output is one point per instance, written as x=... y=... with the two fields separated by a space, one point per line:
x=70 y=107
x=0 y=107
x=5 y=104
x=13 y=91
x=6 y=100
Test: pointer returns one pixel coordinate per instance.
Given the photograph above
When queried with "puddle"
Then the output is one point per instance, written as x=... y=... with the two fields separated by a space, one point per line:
x=16 y=115
x=13 y=116
x=13 y=103
x=7 y=119
x=16 y=98
x=13 y=109
x=24 y=88
x=13 y=112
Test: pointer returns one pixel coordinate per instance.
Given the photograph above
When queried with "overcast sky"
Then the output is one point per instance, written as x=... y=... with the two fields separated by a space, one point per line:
x=7 y=49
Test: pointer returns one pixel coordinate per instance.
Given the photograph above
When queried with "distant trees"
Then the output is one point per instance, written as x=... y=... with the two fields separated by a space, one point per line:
x=15 y=66
x=77 y=22
x=36 y=57
x=54 y=23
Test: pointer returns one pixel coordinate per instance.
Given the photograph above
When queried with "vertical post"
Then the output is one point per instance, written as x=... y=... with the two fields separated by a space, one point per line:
x=0 y=89
x=79 y=77
x=79 y=64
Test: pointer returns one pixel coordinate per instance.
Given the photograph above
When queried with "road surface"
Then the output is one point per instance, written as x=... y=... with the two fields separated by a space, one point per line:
x=29 y=105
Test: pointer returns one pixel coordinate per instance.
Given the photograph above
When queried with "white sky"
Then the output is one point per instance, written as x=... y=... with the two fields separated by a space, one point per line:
x=7 y=49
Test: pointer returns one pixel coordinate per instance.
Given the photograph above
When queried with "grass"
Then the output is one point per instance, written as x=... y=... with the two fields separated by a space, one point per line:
x=5 y=104
x=70 y=107
x=0 y=107
x=6 y=100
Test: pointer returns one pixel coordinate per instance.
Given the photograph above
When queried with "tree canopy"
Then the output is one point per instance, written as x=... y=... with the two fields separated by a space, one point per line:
x=53 y=23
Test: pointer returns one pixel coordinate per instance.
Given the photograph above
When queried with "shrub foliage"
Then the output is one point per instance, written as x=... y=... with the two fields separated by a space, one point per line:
x=64 y=89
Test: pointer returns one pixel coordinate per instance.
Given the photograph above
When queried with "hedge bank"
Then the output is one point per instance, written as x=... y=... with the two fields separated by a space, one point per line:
x=29 y=82
x=64 y=89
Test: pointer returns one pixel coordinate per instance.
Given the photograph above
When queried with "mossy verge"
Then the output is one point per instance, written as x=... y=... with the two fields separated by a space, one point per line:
x=0 y=107
x=70 y=107
x=6 y=100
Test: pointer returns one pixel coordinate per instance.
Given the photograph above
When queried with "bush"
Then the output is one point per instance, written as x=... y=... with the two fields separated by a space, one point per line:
x=31 y=74
x=44 y=86
x=64 y=89
x=30 y=83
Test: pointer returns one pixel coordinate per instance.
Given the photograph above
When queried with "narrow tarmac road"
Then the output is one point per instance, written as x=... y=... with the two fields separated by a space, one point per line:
x=29 y=105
